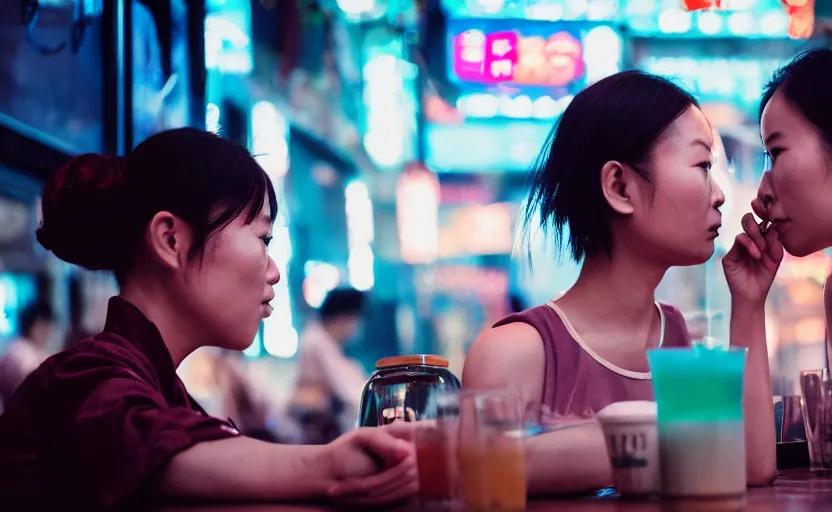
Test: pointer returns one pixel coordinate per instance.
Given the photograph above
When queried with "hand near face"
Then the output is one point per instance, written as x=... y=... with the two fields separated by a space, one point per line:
x=374 y=466
x=760 y=209
x=753 y=261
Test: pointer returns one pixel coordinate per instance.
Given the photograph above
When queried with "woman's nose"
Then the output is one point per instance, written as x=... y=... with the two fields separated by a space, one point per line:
x=272 y=273
x=765 y=192
x=718 y=195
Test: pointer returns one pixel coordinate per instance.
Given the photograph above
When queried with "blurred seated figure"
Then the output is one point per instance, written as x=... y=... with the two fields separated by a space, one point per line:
x=29 y=351
x=240 y=398
x=329 y=384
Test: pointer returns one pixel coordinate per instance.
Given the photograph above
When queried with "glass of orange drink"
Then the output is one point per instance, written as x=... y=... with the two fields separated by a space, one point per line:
x=436 y=449
x=490 y=451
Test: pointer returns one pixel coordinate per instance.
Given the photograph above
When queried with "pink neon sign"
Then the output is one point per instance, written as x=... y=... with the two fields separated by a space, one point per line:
x=552 y=60
x=484 y=57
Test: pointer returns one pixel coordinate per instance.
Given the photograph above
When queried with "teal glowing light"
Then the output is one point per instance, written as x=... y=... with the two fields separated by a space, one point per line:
x=542 y=10
x=744 y=18
x=698 y=384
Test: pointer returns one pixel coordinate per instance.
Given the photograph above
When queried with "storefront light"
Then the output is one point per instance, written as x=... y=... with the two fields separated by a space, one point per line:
x=602 y=9
x=269 y=145
x=478 y=105
x=640 y=8
x=356 y=7
x=547 y=12
x=227 y=45
x=602 y=49
x=741 y=23
x=360 y=266
x=212 y=118
x=320 y=278
x=742 y=5
x=417 y=212
x=546 y=107
x=281 y=340
x=523 y=152
x=576 y=7
x=386 y=148
x=710 y=23
x=674 y=21
x=359 y=213
x=491 y=6
x=519 y=107
x=774 y=24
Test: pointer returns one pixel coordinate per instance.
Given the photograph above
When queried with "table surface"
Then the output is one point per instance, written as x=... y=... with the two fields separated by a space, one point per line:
x=793 y=491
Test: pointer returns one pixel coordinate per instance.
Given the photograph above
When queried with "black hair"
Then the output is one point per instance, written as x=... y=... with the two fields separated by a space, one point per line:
x=342 y=302
x=96 y=207
x=621 y=118
x=32 y=314
x=516 y=303
x=806 y=83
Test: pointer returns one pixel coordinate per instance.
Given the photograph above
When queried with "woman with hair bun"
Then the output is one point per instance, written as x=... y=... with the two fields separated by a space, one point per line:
x=184 y=223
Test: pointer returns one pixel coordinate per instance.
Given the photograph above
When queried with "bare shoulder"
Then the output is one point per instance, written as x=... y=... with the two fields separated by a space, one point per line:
x=511 y=355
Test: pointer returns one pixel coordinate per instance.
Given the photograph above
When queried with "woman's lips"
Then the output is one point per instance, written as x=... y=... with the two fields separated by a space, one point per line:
x=780 y=225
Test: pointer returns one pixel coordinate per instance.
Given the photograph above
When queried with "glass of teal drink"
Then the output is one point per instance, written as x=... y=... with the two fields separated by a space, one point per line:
x=700 y=418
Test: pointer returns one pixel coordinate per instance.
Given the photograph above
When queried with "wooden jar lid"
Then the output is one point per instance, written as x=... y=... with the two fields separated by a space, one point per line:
x=417 y=360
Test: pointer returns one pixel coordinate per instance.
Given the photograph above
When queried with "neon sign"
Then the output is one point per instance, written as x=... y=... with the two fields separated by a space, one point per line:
x=510 y=57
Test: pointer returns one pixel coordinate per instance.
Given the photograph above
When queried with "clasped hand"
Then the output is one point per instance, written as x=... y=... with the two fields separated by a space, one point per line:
x=374 y=466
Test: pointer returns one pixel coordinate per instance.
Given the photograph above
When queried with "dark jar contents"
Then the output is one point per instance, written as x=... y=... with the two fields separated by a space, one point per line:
x=401 y=387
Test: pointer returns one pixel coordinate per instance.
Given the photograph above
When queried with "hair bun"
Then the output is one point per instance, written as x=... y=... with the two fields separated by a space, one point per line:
x=81 y=204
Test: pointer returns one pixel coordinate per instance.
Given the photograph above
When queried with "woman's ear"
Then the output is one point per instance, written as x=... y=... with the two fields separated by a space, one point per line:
x=617 y=186
x=169 y=240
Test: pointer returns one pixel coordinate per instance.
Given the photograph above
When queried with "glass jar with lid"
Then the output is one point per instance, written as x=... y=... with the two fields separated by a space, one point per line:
x=401 y=387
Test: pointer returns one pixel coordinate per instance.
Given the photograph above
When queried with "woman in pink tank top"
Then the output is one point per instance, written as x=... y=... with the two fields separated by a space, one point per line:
x=625 y=185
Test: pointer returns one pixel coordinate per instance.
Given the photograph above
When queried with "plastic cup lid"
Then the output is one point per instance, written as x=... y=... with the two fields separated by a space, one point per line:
x=636 y=411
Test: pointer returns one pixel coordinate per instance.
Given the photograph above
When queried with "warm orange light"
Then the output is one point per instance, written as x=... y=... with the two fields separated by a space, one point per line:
x=697 y=5
x=801 y=18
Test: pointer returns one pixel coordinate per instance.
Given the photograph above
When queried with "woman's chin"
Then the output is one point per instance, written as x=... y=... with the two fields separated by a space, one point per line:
x=697 y=258
x=241 y=343
x=800 y=251
x=800 y=248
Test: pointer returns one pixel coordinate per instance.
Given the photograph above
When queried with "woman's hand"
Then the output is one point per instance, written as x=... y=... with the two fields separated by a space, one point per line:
x=374 y=466
x=753 y=261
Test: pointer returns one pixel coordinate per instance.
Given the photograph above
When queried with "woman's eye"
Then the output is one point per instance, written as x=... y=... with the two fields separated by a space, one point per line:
x=266 y=240
x=772 y=154
x=706 y=166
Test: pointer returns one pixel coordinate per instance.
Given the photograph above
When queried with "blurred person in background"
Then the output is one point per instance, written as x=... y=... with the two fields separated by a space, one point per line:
x=240 y=398
x=629 y=200
x=329 y=383
x=27 y=352
x=184 y=224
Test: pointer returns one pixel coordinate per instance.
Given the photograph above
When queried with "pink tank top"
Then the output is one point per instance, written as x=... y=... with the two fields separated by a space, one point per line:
x=578 y=382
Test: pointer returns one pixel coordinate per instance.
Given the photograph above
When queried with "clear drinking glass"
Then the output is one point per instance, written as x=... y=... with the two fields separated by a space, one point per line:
x=436 y=454
x=817 y=417
x=491 y=453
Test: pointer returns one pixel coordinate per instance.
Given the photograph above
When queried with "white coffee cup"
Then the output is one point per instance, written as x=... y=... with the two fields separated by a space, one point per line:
x=632 y=439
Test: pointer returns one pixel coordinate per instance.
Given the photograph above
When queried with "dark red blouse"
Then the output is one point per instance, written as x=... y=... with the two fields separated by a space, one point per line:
x=94 y=424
